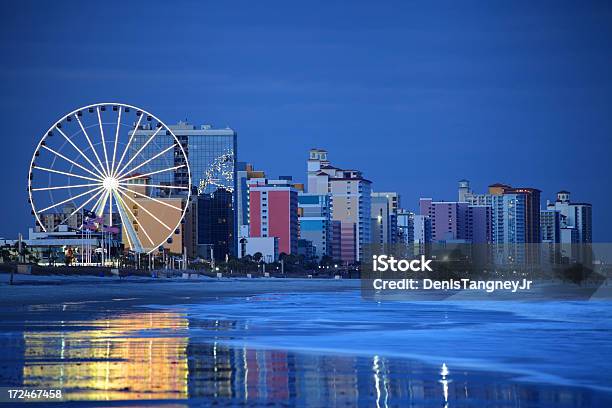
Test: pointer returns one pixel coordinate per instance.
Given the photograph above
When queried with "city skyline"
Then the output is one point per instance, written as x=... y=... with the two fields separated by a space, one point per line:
x=323 y=203
x=430 y=105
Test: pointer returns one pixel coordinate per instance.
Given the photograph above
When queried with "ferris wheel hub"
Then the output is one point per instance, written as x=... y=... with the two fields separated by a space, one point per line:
x=110 y=183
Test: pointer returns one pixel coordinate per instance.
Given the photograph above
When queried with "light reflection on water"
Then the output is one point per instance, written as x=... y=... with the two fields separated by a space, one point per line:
x=111 y=360
x=161 y=355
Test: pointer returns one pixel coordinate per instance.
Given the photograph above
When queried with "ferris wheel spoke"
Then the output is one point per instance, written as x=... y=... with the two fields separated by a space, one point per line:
x=97 y=203
x=134 y=217
x=150 y=198
x=126 y=225
x=65 y=173
x=121 y=183
x=71 y=161
x=125 y=221
x=112 y=168
x=70 y=199
x=134 y=241
x=140 y=150
x=93 y=149
x=100 y=211
x=128 y=144
x=79 y=150
x=66 y=186
x=103 y=141
x=133 y=169
x=80 y=207
x=151 y=173
x=143 y=208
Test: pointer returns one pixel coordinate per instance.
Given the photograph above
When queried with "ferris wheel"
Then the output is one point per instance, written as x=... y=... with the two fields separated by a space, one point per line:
x=113 y=168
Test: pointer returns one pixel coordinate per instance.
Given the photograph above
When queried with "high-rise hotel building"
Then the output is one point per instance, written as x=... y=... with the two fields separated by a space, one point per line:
x=515 y=211
x=457 y=221
x=273 y=212
x=384 y=226
x=575 y=227
x=515 y=219
x=210 y=223
x=314 y=217
x=245 y=172
x=350 y=195
x=577 y=216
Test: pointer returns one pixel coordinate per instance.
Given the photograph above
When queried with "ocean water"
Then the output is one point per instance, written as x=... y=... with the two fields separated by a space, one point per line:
x=563 y=343
x=317 y=349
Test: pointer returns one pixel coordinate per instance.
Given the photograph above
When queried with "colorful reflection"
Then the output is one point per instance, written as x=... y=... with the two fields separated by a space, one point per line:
x=161 y=356
x=254 y=377
x=132 y=356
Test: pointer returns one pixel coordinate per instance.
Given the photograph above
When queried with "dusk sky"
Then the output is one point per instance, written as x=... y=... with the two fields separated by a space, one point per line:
x=416 y=95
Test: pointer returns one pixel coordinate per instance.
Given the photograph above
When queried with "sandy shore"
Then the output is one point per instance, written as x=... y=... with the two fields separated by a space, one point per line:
x=39 y=290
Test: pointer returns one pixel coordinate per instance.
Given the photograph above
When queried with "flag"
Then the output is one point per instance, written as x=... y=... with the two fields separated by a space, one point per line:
x=89 y=225
x=89 y=214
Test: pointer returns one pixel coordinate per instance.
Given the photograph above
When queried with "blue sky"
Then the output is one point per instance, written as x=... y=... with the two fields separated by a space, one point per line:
x=415 y=94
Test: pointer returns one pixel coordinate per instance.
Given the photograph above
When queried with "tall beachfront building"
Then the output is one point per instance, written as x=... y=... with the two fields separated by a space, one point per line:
x=314 y=218
x=515 y=219
x=550 y=226
x=350 y=195
x=509 y=224
x=244 y=173
x=384 y=226
x=578 y=216
x=414 y=231
x=480 y=224
x=422 y=232
x=405 y=227
x=457 y=221
x=575 y=227
x=448 y=219
x=464 y=190
x=516 y=214
x=273 y=212
x=466 y=195
x=210 y=224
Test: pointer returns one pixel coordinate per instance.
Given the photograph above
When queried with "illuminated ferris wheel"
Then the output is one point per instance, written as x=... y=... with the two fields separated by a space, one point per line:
x=113 y=168
x=219 y=174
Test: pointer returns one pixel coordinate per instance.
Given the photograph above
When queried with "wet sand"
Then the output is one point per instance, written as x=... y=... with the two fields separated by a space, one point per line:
x=30 y=290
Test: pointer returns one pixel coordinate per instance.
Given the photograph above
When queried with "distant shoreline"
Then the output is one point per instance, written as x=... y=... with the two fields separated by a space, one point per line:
x=133 y=291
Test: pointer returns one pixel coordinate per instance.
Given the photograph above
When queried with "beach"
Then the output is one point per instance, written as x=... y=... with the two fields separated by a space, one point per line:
x=284 y=342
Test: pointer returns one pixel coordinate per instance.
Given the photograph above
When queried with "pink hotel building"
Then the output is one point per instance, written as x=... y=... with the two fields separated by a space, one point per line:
x=273 y=212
